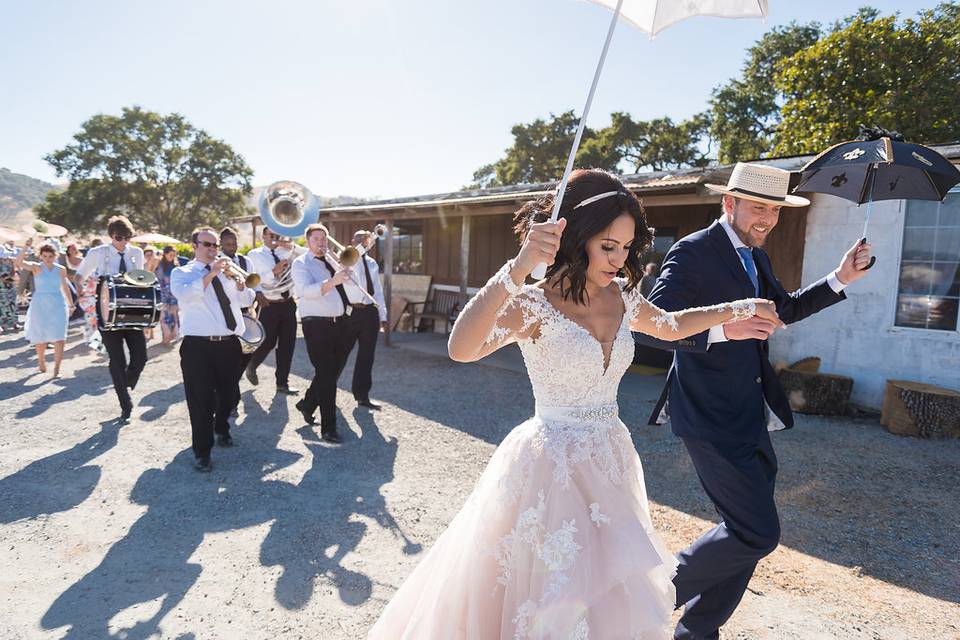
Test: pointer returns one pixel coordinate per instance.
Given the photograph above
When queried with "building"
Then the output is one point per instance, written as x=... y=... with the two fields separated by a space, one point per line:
x=901 y=322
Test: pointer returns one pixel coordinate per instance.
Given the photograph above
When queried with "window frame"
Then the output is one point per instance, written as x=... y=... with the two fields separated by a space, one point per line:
x=892 y=326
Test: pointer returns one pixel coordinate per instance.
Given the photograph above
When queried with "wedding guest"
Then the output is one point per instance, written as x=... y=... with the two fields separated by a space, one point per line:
x=50 y=306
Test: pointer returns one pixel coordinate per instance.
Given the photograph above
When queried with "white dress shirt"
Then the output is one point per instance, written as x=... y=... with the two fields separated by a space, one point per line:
x=309 y=274
x=716 y=332
x=105 y=260
x=262 y=263
x=200 y=312
x=355 y=295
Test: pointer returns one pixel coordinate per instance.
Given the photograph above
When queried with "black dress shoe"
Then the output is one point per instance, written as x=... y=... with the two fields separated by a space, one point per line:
x=252 y=376
x=224 y=440
x=369 y=405
x=235 y=413
x=125 y=414
x=307 y=415
x=290 y=391
x=331 y=436
x=203 y=464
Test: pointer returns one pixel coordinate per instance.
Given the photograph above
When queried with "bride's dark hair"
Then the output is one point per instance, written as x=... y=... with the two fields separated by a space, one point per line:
x=585 y=223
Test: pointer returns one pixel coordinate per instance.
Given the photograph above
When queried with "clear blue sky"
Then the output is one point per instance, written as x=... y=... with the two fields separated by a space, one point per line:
x=356 y=97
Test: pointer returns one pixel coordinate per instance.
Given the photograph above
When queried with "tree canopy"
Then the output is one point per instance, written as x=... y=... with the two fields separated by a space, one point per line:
x=540 y=148
x=158 y=170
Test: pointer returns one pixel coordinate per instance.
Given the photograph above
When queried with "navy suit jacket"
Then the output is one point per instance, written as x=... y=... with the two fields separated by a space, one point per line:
x=718 y=394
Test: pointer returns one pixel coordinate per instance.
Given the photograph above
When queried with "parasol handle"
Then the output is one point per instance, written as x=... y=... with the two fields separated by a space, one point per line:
x=873 y=259
x=866 y=220
x=540 y=271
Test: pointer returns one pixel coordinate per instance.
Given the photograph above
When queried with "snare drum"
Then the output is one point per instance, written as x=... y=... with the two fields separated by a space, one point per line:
x=253 y=334
x=121 y=305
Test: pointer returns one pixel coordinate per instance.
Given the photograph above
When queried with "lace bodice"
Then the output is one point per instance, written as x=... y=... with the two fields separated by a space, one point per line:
x=565 y=361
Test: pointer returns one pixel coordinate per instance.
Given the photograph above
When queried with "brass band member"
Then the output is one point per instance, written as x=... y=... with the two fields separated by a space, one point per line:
x=278 y=316
x=210 y=303
x=114 y=258
x=228 y=248
x=367 y=318
x=324 y=308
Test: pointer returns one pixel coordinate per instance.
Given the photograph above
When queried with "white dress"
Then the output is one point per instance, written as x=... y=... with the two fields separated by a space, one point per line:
x=555 y=542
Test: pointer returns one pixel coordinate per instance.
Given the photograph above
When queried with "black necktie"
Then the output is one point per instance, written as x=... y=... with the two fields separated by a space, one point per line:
x=276 y=260
x=366 y=269
x=224 y=302
x=340 y=290
x=123 y=265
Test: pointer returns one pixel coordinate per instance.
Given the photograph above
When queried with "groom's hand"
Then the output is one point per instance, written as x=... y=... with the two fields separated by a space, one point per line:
x=750 y=329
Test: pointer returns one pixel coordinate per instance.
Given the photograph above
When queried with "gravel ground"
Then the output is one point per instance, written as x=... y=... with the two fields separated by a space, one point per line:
x=107 y=532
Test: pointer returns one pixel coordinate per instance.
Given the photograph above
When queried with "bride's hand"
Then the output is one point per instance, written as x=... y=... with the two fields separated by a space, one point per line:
x=541 y=245
x=767 y=310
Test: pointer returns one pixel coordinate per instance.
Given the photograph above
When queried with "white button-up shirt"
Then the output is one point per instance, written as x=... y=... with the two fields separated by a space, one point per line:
x=309 y=274
x=105 y=260
x=353 y=291
x=200 y=312
x=262 y=263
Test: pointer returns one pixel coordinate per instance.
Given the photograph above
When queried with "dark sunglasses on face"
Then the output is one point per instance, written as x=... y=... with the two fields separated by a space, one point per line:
x=121 y=238
x=209 y=245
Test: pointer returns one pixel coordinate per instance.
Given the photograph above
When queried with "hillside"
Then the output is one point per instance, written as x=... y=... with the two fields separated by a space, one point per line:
x=19 y=192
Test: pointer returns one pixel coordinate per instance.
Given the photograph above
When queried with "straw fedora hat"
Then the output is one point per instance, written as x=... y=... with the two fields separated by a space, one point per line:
x=761 y=183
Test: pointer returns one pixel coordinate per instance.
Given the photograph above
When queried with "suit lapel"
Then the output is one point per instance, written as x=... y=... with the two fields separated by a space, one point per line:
x=721 y=242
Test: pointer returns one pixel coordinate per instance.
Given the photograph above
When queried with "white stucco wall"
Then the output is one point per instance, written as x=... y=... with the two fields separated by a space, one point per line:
x=856 y=337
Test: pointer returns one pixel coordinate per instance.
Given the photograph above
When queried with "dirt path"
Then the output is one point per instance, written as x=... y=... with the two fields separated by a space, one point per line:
x=106 y=531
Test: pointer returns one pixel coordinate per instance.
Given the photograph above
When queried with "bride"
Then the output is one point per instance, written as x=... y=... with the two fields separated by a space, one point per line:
x=555 y=542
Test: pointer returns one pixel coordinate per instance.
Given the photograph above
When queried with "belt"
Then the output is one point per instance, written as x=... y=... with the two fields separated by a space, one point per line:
x=360 y=305
x=213 y=338
x=330 y=319
x=591 y=415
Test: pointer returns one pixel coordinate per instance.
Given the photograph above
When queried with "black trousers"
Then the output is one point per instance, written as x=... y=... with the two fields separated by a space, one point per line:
x=125 y=375
x=328 y=347
x=279 y=321
x=364 y=328
x=210 y=385
x=714 y=571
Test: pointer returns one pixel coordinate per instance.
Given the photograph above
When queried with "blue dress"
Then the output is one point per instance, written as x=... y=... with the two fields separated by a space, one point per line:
x=47 y=315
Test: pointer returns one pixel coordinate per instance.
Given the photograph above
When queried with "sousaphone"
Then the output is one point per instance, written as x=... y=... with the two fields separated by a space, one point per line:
x=287 y=208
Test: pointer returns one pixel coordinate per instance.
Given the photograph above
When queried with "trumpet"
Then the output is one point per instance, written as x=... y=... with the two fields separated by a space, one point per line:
x=234 y=271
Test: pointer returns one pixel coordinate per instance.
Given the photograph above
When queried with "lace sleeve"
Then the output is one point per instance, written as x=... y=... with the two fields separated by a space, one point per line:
x=646 y=317
x=517 y=320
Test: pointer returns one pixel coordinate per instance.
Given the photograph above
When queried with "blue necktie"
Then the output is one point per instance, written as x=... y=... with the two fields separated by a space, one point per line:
x=747 y=254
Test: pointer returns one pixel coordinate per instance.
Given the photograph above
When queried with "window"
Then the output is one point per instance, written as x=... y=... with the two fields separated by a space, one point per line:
x=407 y=247
x=928 y=296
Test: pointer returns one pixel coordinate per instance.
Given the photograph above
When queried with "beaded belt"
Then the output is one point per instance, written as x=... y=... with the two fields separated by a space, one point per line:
x=595 y=414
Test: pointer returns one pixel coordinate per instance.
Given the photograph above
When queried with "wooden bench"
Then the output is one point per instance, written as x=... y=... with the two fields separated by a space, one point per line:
x=443 y=305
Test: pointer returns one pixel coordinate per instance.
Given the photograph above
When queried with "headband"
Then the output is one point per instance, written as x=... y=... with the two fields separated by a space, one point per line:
x=599 y=196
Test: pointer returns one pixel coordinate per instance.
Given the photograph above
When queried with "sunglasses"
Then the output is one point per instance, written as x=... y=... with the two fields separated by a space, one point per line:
x=209 y=245
x=121 y=238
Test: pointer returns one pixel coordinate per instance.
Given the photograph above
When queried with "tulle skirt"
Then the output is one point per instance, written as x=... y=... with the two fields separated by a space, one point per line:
x=555 y=542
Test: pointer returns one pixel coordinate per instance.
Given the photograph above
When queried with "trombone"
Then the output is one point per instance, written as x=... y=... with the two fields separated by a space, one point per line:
x=347 y=257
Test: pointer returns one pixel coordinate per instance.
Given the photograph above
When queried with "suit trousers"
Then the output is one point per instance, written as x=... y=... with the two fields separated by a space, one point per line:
x=279 y=320
x=328 y=347
x=364 y=330
x=714 y=571
x=125 y=375
x=210 y=385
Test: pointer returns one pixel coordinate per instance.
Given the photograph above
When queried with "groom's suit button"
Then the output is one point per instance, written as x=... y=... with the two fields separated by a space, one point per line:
x=758 y=380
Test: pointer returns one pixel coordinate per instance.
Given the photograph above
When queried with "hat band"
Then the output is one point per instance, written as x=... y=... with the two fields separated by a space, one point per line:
x=757 y=194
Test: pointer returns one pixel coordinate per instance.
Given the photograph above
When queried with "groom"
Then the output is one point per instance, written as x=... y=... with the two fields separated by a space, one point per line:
x=724 y=395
